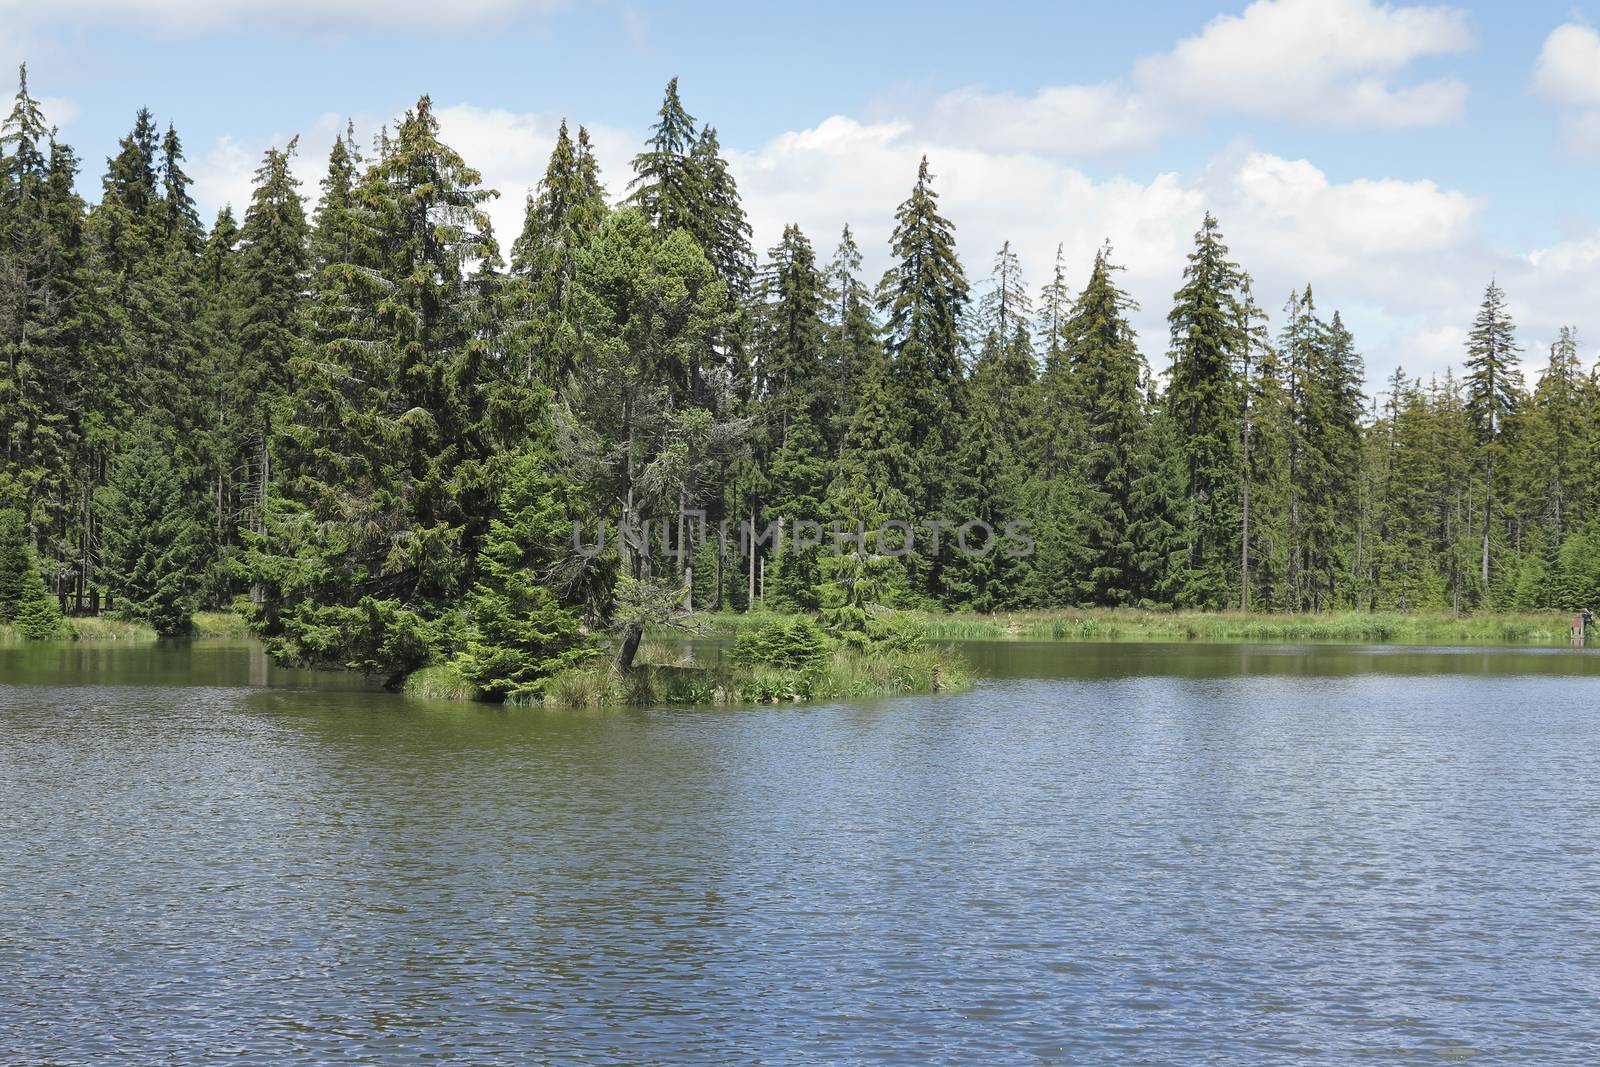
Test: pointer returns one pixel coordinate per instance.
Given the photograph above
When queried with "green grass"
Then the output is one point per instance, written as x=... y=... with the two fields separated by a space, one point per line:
x=1127 y=624
x=439 y=682
x=207 y=624
x=845 y=675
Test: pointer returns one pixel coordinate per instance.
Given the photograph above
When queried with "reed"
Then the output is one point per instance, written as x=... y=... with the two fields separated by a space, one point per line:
x=844 y=675
x=1128 y=624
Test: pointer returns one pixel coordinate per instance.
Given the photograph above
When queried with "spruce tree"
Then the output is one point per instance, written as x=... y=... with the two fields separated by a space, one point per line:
x=857 y=576
x=795 y=397
x=220 y=427
x=629 y=432
x=563 y=213
x=922 y=299
x=720 y=223
x=1160 y=542
x=666 y=184
x=1005 y=372
x=16 y=559
x=980 y=572
x=1110 y=374
x=36 y=354
x=398 y=414
x=519 y=632
x=274 y=265
x=180 y=220
x=149 y=536
x=851 y=335
x=875 y=447
x=1559 y=442
x=24 y=600
x=1204 y=400
x=1493 y=395
x=336 y=229
x=1005 y=307
x=87 y=389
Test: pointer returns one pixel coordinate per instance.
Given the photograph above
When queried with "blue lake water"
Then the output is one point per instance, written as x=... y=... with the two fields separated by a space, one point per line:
x=1122 y=854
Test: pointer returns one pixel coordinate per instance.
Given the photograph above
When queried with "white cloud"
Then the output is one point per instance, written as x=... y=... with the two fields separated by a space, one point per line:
x=1081 y=119
x=195 y=16
x=1311 y=62
x=1322 y=62
x=1568 y=68
x=222 y=176
x=1568 y=73
x=509 y=149
x=1405 y=260
x=58 y=110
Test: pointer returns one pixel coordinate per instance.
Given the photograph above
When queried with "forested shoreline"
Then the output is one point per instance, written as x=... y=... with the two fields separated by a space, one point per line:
x=357 y=417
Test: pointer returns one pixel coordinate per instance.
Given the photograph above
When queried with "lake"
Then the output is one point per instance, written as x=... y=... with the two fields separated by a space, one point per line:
x=1105 y=853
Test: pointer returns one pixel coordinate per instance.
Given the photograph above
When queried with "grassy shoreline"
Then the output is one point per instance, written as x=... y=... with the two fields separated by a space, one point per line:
x=1128 y=624
x=207 y=624
x=669 y=676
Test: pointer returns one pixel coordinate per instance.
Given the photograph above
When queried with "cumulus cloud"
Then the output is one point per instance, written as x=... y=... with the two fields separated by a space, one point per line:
x=58 y=110
x=1568 y=73
x=1323 y=62
x=189 y=16
x=1337 y=63
x=1406 y=261
x=509 y=149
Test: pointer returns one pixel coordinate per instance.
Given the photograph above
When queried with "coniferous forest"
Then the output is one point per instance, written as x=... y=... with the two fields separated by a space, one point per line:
x=360 y=417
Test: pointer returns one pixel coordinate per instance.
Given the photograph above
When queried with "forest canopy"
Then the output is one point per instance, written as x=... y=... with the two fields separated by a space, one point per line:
x=372 y=424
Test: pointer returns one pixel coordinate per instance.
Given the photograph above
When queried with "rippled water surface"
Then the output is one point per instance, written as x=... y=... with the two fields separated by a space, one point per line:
x=1119 y=854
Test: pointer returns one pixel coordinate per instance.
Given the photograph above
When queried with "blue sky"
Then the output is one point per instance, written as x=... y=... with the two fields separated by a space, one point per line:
x=1395 y=156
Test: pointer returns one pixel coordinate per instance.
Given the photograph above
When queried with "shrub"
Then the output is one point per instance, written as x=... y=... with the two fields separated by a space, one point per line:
x=793 y=644
x=24 y=599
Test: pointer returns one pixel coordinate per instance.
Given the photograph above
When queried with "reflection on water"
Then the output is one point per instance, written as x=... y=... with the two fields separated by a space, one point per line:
x=1108 y=853
x=1107 y=660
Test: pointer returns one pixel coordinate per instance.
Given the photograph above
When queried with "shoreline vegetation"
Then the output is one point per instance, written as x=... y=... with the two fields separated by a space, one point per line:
x=669 y=675
x=205 y=625
x=777 y=658
x=377 y=430
x=1537 y=629
x=1086 y=624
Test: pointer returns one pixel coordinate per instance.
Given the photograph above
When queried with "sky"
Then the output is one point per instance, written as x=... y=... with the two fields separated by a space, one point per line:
x=1395 y=157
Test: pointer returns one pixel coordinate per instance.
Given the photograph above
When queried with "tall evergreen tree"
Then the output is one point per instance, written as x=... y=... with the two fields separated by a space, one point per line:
x=24 y=601
x=1559 y=441
x=561 y=216
x=519 y=632
x=336 y=229
x=922 y=299
x=851 y=335
x=648 y=306
x=149 y=536
x=667 y=185
x=1494 y=394
x=274 y=266
x=35 y=430
x=1111 y=375
x=398 y=415
x=1204 y=400
x=720 y=223
x=180 y=220
x=1005 y=307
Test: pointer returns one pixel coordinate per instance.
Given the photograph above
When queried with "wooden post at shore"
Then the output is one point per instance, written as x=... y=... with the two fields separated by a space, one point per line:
x=1578 y=627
